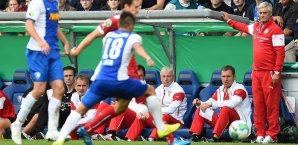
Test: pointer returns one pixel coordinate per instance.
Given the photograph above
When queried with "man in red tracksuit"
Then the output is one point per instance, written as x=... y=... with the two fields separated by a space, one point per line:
x=268 y=56
x=7 y=113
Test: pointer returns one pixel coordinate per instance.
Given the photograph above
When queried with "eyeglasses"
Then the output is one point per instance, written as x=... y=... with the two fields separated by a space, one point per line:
x=68 y=75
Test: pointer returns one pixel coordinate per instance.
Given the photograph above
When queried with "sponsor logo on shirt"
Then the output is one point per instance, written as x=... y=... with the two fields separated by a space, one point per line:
x=54 y=16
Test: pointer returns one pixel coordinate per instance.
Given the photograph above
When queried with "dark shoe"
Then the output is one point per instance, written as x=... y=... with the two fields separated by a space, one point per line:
x=196 y=137
x=213 y=139
x=26 y=136
x=40 y=135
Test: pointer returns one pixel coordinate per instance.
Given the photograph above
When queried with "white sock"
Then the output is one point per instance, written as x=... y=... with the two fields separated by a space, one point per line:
x=70 y=124
x=154 y=108
x=53 y=110
x=26 y=106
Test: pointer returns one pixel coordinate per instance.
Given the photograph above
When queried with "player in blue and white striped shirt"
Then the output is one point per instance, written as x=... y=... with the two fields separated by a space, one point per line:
x=45 y=65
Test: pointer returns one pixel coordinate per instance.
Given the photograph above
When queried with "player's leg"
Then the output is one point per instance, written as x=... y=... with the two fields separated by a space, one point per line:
x=226 y=116
x=107 y=114
x=56 y=81
x=54 y=109
x=4 y=123
x=88 y=101
x=39 y=73
x=100 y=129
x=154 y=108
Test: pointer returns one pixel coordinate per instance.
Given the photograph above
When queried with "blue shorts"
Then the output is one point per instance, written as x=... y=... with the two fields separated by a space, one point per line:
x=45 y=68
x=102 y=89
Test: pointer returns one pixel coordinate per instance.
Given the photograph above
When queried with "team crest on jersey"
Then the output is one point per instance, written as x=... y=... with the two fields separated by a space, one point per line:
x=31 y=14
x=19 y=98
x=169 y=93
x=107 y=23
x=37 y=75
x=266 y=31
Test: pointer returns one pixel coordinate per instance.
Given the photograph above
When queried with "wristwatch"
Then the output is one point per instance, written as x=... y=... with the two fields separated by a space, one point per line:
x=276 y=72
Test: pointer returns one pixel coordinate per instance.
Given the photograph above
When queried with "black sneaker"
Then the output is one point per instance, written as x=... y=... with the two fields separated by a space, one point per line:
x=26 y=136
x=196 y=137
x=213 y=139
x=40 y=135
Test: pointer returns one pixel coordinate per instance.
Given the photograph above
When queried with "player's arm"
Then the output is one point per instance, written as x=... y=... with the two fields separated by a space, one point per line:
x=64 y=41
x=86 y=42
x=31 y=30
x=141 y=51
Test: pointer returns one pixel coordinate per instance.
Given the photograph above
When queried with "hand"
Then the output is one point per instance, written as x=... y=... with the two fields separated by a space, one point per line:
x=196 y=102
x=225 y=16
x=45 y=48
x=150 y=62
x=279 y=20
x=275 y=79
x=67 y=50
x=204 y=106
x=74 y=52
x=142 y=116
x=63 y=54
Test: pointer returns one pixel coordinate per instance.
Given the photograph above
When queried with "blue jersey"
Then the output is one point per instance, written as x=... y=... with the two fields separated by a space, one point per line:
x=45 y=14
x=117 y=53
x=111 y=76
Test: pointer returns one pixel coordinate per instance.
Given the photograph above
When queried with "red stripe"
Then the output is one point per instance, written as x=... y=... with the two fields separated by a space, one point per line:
x=241 y=93
x=178 y=96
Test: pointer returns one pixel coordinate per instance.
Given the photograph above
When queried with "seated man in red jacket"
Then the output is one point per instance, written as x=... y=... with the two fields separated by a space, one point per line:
x=234 y=104
x=7 y=114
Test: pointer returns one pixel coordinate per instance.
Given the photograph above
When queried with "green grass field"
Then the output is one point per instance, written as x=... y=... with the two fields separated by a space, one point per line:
x=80 y=142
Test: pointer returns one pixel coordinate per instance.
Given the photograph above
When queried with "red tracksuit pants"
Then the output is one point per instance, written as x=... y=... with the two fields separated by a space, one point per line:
x=266 y=99
x=138 y=125
x=219 y=122
x=122 y=121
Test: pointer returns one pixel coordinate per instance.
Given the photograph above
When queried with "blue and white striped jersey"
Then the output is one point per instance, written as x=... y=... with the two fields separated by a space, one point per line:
x=45 y=14
x=117 y=52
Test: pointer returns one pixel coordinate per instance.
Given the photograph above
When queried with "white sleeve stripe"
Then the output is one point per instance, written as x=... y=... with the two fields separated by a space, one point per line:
x=251 y=29
x=278 y=40
x=100 y=30
x=2 y=100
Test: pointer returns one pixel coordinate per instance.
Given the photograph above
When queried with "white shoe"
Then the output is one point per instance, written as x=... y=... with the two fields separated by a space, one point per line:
x=98 y=137
x=259 y=139
x=267 y=139
x=16 y=131
x=108 y=137
x=52 y=135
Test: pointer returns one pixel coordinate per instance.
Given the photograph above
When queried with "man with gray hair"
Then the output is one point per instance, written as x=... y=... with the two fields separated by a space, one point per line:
x=173 y=106
x=268 y=56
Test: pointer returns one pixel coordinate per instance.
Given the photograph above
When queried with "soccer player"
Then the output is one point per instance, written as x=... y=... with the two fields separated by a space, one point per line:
x=112 y=80
x=44 y=62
